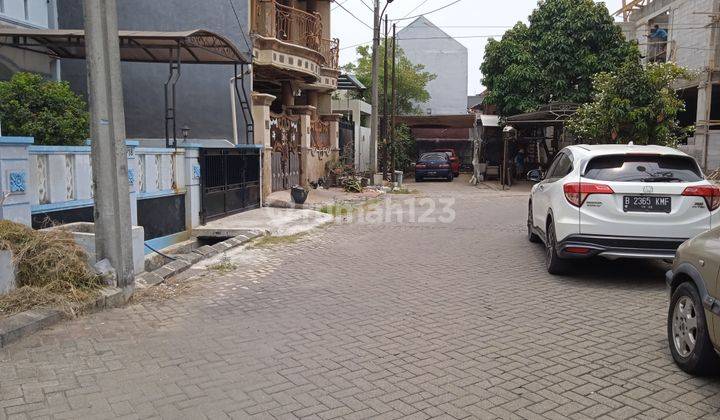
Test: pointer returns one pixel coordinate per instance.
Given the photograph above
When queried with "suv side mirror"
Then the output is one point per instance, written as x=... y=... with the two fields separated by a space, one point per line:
x=534 y=175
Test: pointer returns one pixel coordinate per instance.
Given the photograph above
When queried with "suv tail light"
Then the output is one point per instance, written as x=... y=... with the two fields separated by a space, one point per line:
x=577 y=192
x=710 y=193
x=420 y=166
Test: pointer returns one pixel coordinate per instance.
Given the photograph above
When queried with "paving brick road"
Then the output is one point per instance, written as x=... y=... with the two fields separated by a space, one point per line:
x=386 y=319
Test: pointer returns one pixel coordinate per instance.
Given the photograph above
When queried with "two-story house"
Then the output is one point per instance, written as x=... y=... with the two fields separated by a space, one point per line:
x=295 y=72
x=686 y=32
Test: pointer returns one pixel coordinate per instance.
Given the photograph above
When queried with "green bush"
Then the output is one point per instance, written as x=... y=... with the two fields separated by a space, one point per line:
x=46 y=110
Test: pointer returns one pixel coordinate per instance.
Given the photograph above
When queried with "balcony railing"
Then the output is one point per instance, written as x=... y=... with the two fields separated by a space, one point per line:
x=274 y=20
x=330 y=49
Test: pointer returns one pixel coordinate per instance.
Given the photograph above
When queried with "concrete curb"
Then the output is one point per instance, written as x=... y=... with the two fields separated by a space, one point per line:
x=23 y=324
x=316 y=206
x=185 y=261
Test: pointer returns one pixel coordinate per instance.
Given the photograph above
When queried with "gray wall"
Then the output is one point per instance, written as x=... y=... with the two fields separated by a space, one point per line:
x=203 y=96
x=424 y=43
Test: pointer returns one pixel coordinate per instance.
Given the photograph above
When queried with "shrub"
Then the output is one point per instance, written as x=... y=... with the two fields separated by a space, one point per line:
x=46 y=110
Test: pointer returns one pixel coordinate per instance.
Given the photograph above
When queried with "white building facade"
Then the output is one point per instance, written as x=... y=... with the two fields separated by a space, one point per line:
x=446 y=58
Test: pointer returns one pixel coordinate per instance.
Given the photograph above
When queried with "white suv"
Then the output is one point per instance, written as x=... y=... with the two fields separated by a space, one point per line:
x=619 y=201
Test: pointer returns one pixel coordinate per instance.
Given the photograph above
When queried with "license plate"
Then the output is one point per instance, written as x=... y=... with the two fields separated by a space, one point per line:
x=431 y=173
x=646 y=203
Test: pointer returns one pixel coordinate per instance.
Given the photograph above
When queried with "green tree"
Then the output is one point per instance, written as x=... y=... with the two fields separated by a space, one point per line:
x=402 y=150
x=634 y=103
x=555 y=57
x=47 y=110
x=412 y=79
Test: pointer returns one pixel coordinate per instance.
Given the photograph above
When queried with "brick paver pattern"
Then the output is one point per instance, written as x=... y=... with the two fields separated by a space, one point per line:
x=388 y=320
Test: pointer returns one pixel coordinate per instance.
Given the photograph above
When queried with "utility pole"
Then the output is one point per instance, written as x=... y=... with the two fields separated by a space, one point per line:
x=374 y=88
x=385 y=101
x=113 y=235
x=394 y=98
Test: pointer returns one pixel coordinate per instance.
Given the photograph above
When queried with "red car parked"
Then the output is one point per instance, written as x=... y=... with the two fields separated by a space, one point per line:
x=454 y=160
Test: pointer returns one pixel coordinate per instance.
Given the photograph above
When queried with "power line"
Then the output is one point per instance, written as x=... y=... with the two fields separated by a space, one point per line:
x=416 y=7
x=338 y=5
x=353 y=15
x=242 y=31
x=368 y=7
x=429 y=37
x=427 y=13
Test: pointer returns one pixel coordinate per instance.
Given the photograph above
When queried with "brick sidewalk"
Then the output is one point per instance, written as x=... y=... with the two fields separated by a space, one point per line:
x=387 y=320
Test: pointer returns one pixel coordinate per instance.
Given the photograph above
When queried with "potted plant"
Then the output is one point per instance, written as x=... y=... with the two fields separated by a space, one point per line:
x=299 y=194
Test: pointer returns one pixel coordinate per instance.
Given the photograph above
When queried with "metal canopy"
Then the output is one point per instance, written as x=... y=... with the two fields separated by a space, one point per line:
x=173 y=48
x=437 y=121
x=551 y=114
x=193 y=46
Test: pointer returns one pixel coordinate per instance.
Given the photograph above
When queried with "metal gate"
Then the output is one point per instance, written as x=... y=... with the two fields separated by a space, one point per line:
x=230 y=181
x=347 y=142
x=285 y=142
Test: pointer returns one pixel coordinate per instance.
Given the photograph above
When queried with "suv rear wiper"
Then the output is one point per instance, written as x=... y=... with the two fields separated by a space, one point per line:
x=661 y=179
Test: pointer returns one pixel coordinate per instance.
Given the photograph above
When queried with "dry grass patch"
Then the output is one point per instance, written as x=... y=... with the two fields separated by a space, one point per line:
x=52 y=270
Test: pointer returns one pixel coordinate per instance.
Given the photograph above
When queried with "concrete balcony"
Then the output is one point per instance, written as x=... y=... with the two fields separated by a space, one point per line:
x=289 y=43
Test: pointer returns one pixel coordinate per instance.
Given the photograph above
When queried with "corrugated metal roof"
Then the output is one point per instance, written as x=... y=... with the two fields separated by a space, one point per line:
x=350 y=82
x=437 y=121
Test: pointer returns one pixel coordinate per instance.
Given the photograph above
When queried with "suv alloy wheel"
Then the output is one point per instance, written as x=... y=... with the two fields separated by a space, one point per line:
x=688 y=334
x=553 y=262
x=532 y=237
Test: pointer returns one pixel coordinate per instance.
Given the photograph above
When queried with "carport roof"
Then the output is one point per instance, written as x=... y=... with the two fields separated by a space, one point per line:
x=551 y=114
x=193 y=46
x=437 y=121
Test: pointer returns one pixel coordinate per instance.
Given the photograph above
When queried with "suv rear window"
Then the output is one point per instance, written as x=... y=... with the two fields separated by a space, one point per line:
x=655 y=168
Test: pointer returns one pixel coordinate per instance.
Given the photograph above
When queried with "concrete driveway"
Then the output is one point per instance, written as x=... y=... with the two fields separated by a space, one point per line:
x=376 y=318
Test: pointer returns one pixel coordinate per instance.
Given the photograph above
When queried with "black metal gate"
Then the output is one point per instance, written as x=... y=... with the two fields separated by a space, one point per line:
x=230 y=181
x=347 y=142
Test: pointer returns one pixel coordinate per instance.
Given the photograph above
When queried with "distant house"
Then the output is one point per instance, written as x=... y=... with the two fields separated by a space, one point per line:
x=426 y=44
x=477 y=104
x=27 y=14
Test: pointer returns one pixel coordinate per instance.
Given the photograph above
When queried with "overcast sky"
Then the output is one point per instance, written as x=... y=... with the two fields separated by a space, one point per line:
x=469 y=21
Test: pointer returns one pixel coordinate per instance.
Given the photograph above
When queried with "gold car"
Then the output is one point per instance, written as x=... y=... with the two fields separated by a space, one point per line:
x=693 y=324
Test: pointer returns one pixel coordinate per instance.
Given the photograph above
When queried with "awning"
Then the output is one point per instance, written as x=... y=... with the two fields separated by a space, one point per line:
x=548 y=115
x=490 y=120
x=437 y=121
x=194 y=46
x=350 y=82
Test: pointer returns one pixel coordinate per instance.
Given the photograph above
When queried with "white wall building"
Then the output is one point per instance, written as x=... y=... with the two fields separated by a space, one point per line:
x=426 y=44
x=358 y=112
x=30 y=14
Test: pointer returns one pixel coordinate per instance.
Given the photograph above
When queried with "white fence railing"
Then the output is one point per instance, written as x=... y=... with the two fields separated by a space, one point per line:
x=41 y=179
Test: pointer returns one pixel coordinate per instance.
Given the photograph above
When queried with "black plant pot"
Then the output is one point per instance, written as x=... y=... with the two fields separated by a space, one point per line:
x=298 y=194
